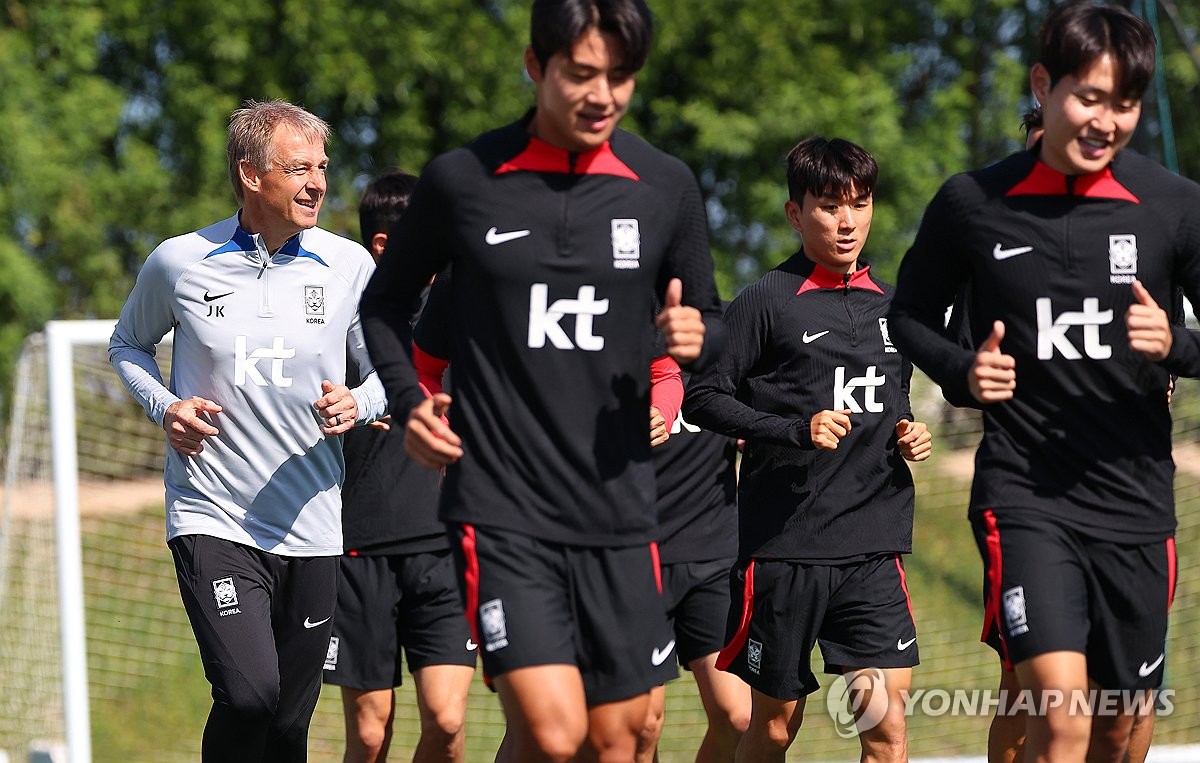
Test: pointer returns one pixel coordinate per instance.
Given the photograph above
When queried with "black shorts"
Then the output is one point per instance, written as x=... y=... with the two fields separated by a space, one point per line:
x=385 y=603
x=697 y=599
x=541 y=603
x=1049 y=588
x=859 y=613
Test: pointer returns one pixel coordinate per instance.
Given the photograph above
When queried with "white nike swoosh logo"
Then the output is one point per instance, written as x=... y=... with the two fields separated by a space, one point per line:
x=902 y=645
x=471 y=645
x=494 y=236
x=659 y=656
x=813 y=337
x=1146 y=670
x=308 y=624
x=1000 y=253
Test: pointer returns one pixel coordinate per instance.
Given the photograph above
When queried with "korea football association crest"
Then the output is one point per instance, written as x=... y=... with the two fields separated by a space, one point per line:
x=754 y=650
x=225 y=593
x=314 y=304
x=1014 y=611
x=887 y=339
x=626 y=244
x=495 y=629
x=1122 y=258
x=331 y=653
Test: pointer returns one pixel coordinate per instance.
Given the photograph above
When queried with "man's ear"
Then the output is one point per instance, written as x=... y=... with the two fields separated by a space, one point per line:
x=532 y=66
x=793 y=211
x=377 y=244
x=249 y=176
x=1039 y=83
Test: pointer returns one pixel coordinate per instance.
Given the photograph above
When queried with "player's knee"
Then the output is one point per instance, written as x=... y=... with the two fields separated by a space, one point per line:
x=1061 y=731
x=445 y=724
x=774 y=736
x=651 y=729
x=372 y=736
x=731 y=722
x=558 y=743
x=251 y=702
x=887 y=741
x=1109 y=739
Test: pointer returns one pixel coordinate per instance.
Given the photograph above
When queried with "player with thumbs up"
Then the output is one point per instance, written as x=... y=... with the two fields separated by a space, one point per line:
x=563 y=232
x=1069 y=252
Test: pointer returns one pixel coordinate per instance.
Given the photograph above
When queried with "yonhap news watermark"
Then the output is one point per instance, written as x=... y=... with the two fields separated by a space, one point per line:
x=863 y=695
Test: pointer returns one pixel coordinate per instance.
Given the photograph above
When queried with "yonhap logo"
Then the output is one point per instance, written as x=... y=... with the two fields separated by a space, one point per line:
x=857 y=701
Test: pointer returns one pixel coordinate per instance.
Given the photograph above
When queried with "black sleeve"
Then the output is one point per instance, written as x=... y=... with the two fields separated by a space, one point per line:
x=906 y=371
x=432 y=332
x=416 y=250
x=710 y=401
x=1184 y=357
x=690 y=260
x=931 y=274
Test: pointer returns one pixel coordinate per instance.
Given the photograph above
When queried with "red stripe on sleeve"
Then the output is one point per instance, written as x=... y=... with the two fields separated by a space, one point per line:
x=666 y=388
x=429 y=370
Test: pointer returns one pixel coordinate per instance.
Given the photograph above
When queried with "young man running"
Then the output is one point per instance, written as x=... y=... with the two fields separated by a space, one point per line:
x=696 y=474
x=397 y=588
x=1070 y=250
x=560 y=230
x=810 y=379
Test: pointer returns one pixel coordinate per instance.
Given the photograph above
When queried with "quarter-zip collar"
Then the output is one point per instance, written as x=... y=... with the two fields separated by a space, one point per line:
x=539 y=156
x=823 y=278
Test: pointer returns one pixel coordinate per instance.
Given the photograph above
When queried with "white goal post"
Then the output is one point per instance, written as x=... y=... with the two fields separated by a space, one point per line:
x=61 y=337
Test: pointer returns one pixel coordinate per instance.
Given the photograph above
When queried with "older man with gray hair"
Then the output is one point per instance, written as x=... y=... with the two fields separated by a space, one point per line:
x=264 y=306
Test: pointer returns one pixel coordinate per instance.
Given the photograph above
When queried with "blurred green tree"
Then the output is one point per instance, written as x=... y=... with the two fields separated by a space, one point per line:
x=112 y=125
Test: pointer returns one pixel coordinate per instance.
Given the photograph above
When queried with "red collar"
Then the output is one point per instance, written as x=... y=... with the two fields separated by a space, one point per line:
x=1044 y=181
x=823 y=278
x=540 y=156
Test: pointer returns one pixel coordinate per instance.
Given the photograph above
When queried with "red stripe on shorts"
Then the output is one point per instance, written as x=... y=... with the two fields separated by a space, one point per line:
x=991 y=610
x=904 y=587
x=471 y=578
x=734 y=647
x=1171 y=572
x=657 y=566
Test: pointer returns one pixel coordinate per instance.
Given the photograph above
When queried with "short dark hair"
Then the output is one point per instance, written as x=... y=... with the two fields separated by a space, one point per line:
x=830 y=168
x=1032 y=119
x=1076 y=35
x=555 y=25
x=383 y=202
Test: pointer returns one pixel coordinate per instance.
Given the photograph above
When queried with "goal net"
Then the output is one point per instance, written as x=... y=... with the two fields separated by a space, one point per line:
x=131 y=669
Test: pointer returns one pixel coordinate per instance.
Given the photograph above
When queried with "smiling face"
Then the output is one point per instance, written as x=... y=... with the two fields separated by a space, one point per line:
x=581 y=94
x=834 y=231
x=1086 y=121
x=285 y=198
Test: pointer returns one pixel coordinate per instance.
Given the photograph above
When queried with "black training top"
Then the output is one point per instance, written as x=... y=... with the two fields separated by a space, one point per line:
x=1087 y=436
x=389 y=503
x=557 y=258
x=697 y=494
x=803 y=339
